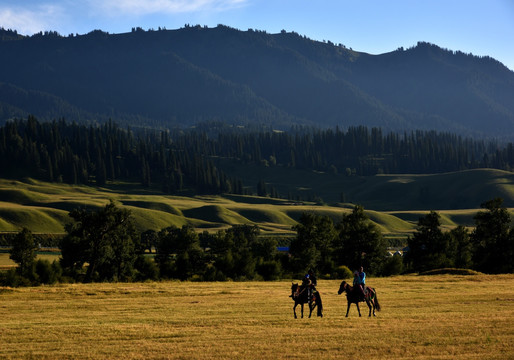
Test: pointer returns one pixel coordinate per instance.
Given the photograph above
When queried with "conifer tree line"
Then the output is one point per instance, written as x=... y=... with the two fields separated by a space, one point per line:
x=176 y=160
x=79 y=154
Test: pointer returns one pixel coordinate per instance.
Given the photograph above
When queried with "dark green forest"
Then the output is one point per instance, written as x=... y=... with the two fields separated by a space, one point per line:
x=198 y=159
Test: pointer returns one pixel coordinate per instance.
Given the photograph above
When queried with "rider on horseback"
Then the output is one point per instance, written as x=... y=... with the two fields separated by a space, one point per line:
x=306 y=283
x=313 y=283
x=362 y=276
x=359 y=282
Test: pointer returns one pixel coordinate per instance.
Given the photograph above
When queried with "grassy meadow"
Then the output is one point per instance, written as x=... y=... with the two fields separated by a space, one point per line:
x=43 y=207
x=422 y=317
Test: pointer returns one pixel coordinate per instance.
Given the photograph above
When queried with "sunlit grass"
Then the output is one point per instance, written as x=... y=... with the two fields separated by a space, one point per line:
x=44 y=207
x=425 y=317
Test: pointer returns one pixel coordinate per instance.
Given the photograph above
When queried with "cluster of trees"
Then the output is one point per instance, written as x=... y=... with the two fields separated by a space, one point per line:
x=103 y=245
x=200 y=159
x=488 y=248
x=355 y=241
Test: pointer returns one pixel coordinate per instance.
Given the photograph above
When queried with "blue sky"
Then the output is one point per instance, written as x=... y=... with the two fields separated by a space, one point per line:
x=481 y=27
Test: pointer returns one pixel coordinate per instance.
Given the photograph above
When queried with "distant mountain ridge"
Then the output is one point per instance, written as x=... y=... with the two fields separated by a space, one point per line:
x=169 y=78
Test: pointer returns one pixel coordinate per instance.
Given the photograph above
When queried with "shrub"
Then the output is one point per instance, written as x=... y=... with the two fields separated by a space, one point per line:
x=269 y=270
x=48 y=273
x=11 y=278
x=146 y=269
x=392 y=266
x=343 y=272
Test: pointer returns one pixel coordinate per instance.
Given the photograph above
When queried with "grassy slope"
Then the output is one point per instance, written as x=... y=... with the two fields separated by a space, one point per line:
x=390 y=202
x=458 y=190
x=422 y=317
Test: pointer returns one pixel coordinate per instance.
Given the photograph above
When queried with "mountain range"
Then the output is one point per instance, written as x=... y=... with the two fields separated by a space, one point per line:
x=172 y=78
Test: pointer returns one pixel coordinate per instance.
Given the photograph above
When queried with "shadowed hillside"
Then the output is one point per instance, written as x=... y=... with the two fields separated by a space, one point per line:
x=170 y=78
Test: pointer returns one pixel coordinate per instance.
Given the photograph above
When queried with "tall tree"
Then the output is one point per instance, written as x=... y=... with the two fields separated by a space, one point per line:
x=179 y=254
x=312 y=246
x=23 y=252
x=105 y=239
x=360 y=242
x=463 y=255
x=492 y=239
x=429 y=247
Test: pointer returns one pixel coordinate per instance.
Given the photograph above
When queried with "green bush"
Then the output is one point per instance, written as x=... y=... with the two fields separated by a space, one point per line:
x=11 y=278
x=269 y=270
x=48 y=273
x=146 y=269
x=392 y=266
x=343 y=272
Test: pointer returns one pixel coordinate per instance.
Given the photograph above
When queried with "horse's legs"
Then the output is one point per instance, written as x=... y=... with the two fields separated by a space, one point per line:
x=369 y=306
x=301 y=305
x=348 y=308
x=358 y=309
x=373 y=301
x=294 y=310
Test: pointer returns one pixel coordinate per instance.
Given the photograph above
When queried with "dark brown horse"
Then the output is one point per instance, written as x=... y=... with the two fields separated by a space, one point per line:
x=300 y=296
x=354 y=296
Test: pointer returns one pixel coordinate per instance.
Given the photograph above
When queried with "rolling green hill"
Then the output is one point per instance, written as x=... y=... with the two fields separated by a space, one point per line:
x=447 y=191
x=392 y=202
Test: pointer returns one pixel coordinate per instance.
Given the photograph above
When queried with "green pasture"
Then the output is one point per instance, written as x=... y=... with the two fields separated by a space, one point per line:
x=43 y=207
x=400 y=192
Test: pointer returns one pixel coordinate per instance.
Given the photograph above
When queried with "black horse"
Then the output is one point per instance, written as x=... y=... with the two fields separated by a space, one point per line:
x=355 y=296
x=300 y=296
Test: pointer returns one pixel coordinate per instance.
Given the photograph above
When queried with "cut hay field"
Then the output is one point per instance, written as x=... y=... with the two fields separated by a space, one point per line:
x=422 y=317
x=44 y=207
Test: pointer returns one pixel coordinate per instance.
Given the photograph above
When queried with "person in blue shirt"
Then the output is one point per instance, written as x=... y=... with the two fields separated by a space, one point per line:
x=362 y=278
x=359 y=281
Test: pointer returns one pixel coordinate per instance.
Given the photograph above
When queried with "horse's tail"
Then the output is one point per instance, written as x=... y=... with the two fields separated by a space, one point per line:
x=320 y=304
x=377 y=305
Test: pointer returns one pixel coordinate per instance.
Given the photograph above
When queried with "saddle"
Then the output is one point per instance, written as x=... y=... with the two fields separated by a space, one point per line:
x=358 y=293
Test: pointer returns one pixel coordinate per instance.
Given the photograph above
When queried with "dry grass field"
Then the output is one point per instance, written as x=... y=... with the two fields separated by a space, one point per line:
x=422 y=317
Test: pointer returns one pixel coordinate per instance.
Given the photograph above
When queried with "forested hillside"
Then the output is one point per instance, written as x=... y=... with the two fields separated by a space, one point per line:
x=168 y=78
x=217 y=158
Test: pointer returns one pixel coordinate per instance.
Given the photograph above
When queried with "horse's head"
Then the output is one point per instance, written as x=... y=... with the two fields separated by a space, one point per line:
x=342 y=287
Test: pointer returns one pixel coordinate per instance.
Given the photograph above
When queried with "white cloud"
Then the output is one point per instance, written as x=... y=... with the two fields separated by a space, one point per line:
x=137 y=7
x=25 y=21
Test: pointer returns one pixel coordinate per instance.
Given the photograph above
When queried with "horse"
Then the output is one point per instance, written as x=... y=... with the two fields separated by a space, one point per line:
x=300 y=296
x=356 y=297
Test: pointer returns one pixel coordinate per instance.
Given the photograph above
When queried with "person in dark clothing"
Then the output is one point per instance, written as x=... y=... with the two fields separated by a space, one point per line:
x=313 y=284
x=312 y=277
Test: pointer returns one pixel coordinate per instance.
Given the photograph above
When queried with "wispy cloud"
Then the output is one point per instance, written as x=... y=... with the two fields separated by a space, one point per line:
x=139 y=8
x=30 y=21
